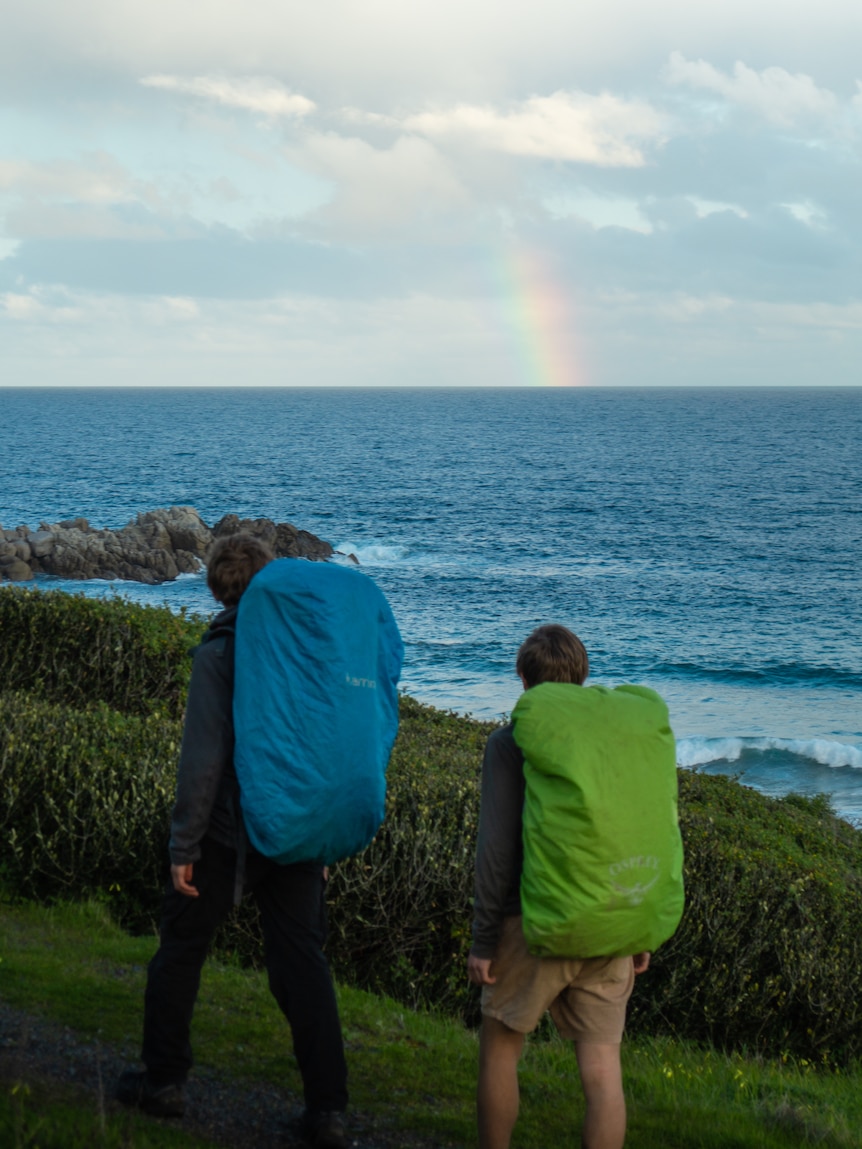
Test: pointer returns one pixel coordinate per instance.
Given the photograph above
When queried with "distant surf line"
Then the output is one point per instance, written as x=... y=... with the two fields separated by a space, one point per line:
x=694 y=752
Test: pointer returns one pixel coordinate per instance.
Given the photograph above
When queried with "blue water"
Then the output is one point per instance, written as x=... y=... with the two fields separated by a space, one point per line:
x=707 y=543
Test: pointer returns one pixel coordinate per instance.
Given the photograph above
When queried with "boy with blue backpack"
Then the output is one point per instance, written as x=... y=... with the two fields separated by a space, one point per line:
x=578 y=877
x=214 y=860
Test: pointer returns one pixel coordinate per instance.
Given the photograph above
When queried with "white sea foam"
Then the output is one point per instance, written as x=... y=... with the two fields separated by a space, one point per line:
x=373 y=553
x=691 y=752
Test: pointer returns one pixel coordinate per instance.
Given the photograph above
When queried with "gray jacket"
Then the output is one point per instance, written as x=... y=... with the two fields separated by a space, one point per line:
x=207 y=801
x=499 y=850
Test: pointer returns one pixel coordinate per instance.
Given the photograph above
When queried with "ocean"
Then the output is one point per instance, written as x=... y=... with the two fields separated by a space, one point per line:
x=707 y=543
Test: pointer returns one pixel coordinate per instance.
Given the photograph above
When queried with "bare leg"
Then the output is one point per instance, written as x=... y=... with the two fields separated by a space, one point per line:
x=602 y=1082
x=497 y=1095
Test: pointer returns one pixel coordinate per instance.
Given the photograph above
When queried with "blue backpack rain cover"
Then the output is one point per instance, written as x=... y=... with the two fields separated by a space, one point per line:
x=318 y=655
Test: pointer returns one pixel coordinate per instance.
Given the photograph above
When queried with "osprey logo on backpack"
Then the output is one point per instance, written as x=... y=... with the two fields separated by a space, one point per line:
x=636 y=893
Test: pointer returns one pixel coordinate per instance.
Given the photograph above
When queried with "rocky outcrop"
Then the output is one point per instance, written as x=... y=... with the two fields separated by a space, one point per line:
x=286 y=540
x=153 y=548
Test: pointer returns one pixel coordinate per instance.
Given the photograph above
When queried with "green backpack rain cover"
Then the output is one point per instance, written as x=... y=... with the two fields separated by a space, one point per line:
x=602 y=872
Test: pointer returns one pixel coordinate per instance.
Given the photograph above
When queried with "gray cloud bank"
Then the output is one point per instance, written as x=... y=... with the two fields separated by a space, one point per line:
x=367 y=192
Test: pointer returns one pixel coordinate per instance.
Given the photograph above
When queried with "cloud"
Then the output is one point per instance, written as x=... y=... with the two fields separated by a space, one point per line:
x=598 y=211
x=289 y=176
x=216 y=264
x=673 y=338
x=704 y=207
x=381 y=188
x=97 y=179
x=20 y=307
x=388 y=53
x=94 y=197
x=419 y=340
x=775 y=94
x=37 y=221
x=605 y=130
x=41 y=305
x=252 y=94
x=807 y=213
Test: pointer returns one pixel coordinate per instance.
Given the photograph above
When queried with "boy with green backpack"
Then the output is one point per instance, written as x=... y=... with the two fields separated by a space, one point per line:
x=578 y=876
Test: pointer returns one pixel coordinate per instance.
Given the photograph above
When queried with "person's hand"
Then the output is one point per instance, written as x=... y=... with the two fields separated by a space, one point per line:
x=181 y=876
x=641 y=962
x=479 y=970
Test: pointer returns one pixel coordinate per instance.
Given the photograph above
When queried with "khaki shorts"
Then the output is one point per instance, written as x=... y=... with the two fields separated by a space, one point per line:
x=587 y=998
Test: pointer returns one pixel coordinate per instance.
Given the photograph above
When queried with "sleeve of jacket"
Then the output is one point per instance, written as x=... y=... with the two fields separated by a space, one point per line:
x=498 y=849
x=207 y=748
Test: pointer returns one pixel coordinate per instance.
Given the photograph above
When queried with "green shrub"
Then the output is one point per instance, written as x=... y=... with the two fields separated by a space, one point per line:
x=85 y=800
x=768 y=956
x=769 y=953
x=401 y=911
x=76 y=650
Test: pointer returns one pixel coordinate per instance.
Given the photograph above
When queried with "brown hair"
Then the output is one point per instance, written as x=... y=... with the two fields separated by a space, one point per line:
x=552 y=653
x=232 y=563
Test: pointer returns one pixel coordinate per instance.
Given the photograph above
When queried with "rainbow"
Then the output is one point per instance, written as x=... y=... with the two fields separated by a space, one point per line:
x=538 y=314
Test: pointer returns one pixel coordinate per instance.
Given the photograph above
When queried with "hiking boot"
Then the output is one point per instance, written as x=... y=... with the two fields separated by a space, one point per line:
x=137 y=1091
x=325 y=1129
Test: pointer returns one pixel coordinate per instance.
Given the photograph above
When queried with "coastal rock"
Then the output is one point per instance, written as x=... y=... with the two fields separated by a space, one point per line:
x=187 y=563
x=155 y=547
x=15 y=569
x=188 y=531
x=40 y=542
x=286 y=540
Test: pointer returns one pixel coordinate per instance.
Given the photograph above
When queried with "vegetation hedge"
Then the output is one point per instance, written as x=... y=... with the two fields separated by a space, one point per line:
x=768 y=956
x=401 y=911
x=769 y=953
x=85 y=801
x=77 y=650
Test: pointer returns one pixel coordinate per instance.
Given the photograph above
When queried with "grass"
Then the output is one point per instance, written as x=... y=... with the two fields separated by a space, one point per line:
x=31 y=1119
x=412 y=1071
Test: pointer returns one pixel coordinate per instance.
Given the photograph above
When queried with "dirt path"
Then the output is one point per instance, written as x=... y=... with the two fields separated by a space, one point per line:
x=238 y=1115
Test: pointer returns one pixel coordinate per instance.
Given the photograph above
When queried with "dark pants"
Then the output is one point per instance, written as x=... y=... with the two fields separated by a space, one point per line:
x=293 y=913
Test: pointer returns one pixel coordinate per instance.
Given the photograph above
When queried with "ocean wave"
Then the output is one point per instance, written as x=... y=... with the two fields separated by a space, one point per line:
x=374 y=554
x=778 y=674
x=768 y=675
x=692 y=752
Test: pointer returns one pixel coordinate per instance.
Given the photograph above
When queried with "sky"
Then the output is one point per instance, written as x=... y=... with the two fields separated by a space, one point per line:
x=275 y=192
